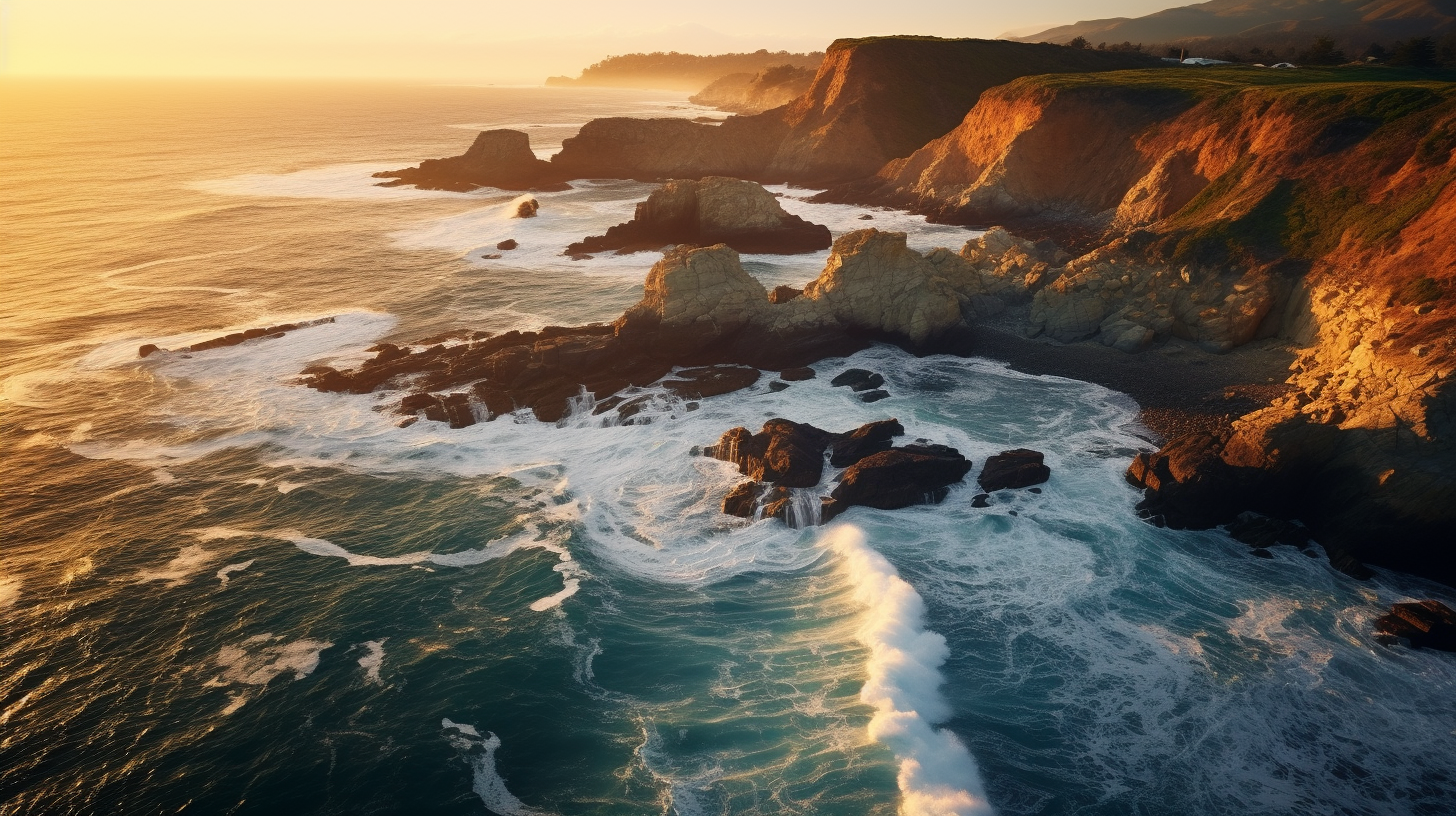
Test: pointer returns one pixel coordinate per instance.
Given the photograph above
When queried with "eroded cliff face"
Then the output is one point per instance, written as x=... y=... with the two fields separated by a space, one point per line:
x=872 y=100
x=1322 y=213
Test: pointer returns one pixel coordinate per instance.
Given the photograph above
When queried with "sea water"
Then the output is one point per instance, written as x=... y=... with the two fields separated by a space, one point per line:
x=223 y=592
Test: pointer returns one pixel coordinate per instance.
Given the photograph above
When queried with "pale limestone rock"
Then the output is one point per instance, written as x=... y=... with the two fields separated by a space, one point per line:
x=874 y=281
x=703 y=286
x=733 y=204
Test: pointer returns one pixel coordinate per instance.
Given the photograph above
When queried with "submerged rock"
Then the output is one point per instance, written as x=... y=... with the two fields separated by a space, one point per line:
x=237 y=338
x=714 y=210
x=858 y=379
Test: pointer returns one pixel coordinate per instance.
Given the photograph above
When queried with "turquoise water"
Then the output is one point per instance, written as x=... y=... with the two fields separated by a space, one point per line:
x=226 y=593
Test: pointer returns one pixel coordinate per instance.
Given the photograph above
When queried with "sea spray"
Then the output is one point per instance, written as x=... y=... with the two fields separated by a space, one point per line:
x=938 y=776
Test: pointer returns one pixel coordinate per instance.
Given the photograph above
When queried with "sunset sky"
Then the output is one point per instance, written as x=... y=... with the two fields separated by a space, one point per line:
x=465 y=40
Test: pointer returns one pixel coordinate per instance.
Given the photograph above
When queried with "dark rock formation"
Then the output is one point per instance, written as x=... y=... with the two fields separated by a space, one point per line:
x=797 y=374
x=869 y=439
x=710 y=381
x=498 y=158
x=236 y=338
x=742 y=501
x=714 y=210
x=1012 y=469
x=901 y=477
x=858 y=379
x=1186 y=485
x=528 y=208
x=1262 y=532
x=787 y=453
x=874 y=396
x=509 y=243
x=786 y=458
x=1424 y=624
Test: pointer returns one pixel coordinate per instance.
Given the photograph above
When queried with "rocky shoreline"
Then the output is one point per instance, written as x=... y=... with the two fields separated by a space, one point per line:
x=1299 y=226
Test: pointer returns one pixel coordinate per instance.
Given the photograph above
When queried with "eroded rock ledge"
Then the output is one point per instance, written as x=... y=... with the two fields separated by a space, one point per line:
x=699 y=308
x=715 y=210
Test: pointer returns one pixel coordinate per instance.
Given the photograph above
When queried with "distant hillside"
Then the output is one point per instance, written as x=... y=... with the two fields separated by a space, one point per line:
x=1273 y=24
x=753 y=93
x=672 y=71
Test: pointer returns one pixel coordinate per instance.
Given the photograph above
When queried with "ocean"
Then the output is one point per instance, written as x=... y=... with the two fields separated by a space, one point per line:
x=221 y=592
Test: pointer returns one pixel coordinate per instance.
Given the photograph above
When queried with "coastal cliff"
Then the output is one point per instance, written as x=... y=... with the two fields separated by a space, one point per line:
x=1222 y=207
x=872 y=100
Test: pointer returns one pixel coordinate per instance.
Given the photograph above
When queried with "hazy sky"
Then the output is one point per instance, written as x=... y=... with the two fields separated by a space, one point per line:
x=468 y=40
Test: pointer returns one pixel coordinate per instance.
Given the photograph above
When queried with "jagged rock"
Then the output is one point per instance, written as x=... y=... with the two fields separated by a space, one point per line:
x=1013 y=469
x=873 y=280
x=981 y=500
x=714 y=210
x=1187 y=485
x=237 y=338
x=498 y=158
x=783 y=294
x=858 y=379
x=777 y=386
x=864 y=441
x=742 y=501
x=1424 y=624
x=528 y=208
x=509 y=243
x=458 y=410
x=901 y=477
x=790 y=454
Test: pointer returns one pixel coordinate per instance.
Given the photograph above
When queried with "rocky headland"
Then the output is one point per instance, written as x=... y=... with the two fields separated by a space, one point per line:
x=755 y=93
x=1221 y=208
x=715 y=210
x=871 y=100
x=1208 y=212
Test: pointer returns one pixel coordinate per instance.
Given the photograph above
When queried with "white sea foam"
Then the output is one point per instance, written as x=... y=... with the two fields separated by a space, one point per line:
x=189 y=560
x=530 y=538
x=479 y=753
x=9 y=591
x=937 y=775
x=256 y=661
x=109 y=277
x=374 y=660
x=223 y=575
